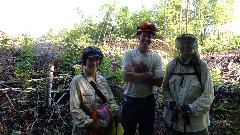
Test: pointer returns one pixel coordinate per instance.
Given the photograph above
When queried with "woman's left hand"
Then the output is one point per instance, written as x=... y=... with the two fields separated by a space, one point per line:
x=117 y=116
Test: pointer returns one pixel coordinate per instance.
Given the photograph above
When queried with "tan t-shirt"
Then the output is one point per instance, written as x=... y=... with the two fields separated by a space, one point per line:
x=141 y=63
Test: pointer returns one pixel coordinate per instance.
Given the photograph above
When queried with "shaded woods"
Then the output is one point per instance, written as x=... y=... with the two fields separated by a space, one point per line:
x=35 y=74
x=24 y=109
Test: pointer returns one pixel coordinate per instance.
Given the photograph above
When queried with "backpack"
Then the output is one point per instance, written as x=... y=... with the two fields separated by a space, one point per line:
x=195 y=65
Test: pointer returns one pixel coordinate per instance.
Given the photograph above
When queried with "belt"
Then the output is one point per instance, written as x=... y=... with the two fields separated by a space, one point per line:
x=143 y=99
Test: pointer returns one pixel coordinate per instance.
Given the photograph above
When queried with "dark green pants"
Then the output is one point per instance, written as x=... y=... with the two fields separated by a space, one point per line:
x=202 y=132
x=173 y=132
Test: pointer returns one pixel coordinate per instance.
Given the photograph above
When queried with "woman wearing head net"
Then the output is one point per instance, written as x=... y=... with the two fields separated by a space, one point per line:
x=187 y=90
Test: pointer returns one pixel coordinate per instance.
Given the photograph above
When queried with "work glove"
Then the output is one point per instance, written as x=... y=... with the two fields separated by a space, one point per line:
x=174 y=106
x=84 y=132
x=95 y=126
x=186 y=109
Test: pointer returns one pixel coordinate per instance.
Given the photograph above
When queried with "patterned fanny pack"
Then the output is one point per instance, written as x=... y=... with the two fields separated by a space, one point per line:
x=102 y=115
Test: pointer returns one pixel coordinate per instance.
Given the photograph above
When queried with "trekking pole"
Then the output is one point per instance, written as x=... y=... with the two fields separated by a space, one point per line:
x=116 y=121
x=174 y=116
x=186 y=121
x=185 y=126
x=116 y=126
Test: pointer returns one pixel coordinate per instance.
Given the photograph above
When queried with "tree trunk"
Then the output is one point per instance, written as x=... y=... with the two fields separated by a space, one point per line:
x=187 y=16
x=49 y=81
x=180 y=21
x=165 y=20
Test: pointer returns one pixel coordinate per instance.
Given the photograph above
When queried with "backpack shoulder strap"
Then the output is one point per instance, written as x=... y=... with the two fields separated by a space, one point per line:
x=174 y=65
x=197 y=71
x=196 y=67
x=98 y=92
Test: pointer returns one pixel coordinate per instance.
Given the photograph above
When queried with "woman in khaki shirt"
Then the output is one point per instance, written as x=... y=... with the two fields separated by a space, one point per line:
x=187 y=90
x=83 y=98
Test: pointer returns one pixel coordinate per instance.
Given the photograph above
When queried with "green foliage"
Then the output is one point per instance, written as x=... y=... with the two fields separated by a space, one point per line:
x=4 y=42
x=173 y=18
x=77 y=70
x=235 y=41
x=105 y=67
x=69 y=56
x=215 y=73
x=123 y=20
x=217 y=44
x=25 y=67
x=222 y=105
x=235 y=86
x=108 y=69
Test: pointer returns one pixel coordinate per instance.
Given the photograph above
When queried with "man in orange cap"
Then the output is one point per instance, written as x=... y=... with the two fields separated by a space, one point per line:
x=142 y=70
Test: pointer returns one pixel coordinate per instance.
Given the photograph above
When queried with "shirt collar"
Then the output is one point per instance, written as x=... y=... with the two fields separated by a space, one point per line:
x=187 y=61
x=88 y=77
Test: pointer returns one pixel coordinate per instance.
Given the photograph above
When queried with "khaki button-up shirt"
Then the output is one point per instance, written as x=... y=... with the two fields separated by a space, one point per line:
x=187 y=90
x=83 y=98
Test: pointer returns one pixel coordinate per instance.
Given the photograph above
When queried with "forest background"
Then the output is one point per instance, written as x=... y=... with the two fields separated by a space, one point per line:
x=35 y=72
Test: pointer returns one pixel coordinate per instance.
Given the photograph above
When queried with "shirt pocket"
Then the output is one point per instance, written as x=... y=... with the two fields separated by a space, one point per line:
x=104 y=89
x=103 y=85
x=196 y=90
x=88 y=97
